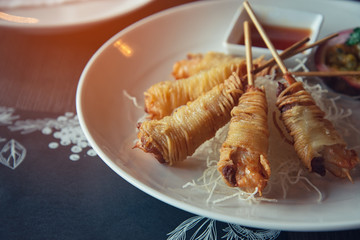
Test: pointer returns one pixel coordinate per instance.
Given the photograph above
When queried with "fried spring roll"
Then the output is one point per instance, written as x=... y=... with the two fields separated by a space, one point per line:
x=243 y=157
x=316 y=141
x=196 y=62
x=175 y=137
x=162 y=98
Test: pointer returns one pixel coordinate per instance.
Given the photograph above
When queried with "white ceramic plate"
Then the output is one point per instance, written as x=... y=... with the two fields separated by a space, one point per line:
x=66 y=15
x=142 y=55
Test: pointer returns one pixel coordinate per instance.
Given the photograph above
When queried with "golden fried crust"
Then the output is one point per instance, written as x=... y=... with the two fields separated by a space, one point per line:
x=175 y=137
x=189 y=66
x=162 y=98
x=243 y=157
x=316 y=141
x=197 y=62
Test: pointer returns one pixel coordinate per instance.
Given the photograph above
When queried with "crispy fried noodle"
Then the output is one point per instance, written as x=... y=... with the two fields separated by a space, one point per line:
x=208 y=114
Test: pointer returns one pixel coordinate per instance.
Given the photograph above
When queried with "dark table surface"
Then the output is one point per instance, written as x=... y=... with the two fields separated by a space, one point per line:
x=57 y=189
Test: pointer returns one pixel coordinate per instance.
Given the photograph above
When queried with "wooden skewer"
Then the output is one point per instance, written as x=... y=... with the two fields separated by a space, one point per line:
x=268 y=43
x=327 y=74
x=248 y=44
x=285 y=54
x=293 y=50
x=313 y=44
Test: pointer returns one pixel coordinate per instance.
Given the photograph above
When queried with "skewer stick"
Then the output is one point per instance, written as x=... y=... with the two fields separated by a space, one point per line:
x=249 y=65
x=314 y=44
x=285 y=54
x=268 y=43
x=293 y=50
x=327 y=74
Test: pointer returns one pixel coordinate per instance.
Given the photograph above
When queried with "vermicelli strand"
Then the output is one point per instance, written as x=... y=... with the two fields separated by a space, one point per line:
x=162 y=98
x=175 y=137
x=317 y=143
x=243 y=157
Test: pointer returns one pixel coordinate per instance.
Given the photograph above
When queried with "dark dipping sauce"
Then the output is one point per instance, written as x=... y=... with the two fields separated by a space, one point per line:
x=281 y=37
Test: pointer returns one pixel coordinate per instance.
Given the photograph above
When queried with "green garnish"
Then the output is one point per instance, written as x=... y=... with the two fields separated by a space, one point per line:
x=354 y=37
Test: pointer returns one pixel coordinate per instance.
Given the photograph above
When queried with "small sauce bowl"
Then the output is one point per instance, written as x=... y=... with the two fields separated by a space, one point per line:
x=283 y=27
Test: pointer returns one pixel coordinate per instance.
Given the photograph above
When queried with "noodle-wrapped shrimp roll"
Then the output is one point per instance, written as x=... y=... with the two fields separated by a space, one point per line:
x=163 y=97
x=316 y=141
x=175 y=137
x=197 y=62
x=243 y=157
